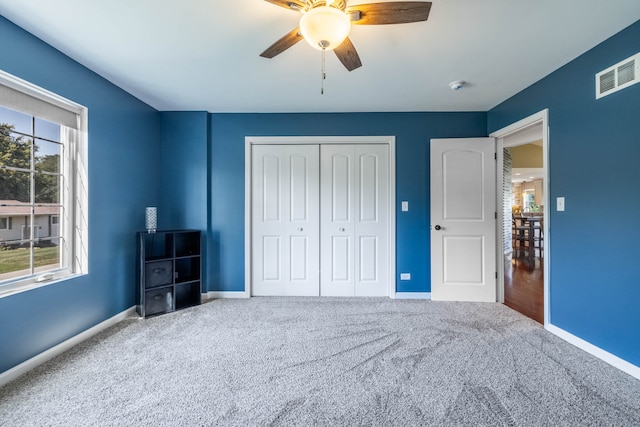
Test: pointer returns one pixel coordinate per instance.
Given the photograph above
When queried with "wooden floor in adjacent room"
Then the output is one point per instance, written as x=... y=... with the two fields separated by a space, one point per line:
x=524 y=287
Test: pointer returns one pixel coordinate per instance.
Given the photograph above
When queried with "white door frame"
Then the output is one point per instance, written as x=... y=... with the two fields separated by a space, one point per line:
x=539 y=118
x=298 y=140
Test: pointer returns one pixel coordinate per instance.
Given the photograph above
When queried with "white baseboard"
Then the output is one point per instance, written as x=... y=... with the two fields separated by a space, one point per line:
x=413 y=295
x=39 y=359
x=611 y=359
x=225 y=294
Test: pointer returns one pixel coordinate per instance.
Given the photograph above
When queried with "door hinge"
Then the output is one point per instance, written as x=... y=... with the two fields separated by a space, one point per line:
x=496 y=215
x=495 y=156
x=496 y=274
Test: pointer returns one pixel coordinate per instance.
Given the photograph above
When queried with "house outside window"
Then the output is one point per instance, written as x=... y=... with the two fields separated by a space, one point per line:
x=43 y=186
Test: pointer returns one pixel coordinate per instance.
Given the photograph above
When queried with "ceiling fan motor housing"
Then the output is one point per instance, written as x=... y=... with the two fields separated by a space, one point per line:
x=337 y=4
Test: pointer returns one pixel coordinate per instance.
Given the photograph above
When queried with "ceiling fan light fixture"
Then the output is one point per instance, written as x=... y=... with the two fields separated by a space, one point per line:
x=325 y=27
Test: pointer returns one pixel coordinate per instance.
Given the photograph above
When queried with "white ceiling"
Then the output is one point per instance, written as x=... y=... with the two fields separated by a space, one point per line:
x=204 y=54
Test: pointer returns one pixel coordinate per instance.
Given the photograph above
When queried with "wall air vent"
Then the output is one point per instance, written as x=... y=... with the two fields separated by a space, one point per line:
x=623 y=74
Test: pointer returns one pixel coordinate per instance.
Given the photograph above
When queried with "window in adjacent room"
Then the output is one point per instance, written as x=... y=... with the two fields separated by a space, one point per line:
x=528 y=200
x=43 y=186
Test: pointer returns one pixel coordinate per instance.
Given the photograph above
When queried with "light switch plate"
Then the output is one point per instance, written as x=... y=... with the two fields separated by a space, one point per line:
x=405 y=276
x=405 y=206
x=560 y=204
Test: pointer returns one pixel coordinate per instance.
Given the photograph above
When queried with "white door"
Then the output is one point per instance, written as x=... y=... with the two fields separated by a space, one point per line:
x=285 y=222
x=354 y=220
x=463 y=223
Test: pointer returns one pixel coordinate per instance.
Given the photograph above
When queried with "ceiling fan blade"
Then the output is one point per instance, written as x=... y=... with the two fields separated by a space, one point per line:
x=283 y=44
x=401 y=12
x=348 y=55
x=296 y=5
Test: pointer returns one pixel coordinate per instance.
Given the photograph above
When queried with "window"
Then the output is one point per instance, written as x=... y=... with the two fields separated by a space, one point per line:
x=43 y=186
x=5 y=223
x=529 y=201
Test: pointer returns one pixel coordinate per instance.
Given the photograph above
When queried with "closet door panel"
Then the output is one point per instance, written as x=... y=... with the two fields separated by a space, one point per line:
x=285 y=220
x=336 y=215
x=354 y=220
x=371 y=228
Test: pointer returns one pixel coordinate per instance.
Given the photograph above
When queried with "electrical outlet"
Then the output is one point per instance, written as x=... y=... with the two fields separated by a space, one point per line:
x=405 y=276
x=405 y=206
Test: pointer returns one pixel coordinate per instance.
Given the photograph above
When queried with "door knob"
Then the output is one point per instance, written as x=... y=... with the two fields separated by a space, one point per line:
x=341 y=229
x=299 y=228
x=437 y=227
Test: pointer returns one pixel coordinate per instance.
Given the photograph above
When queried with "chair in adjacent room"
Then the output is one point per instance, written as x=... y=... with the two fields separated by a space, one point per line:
x=521 y=236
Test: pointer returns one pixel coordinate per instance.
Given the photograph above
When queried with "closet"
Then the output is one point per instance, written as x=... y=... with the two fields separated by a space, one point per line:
x=320 y=219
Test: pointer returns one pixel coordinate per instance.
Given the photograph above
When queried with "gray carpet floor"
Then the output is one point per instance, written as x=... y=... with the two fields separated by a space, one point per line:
x=325 y=361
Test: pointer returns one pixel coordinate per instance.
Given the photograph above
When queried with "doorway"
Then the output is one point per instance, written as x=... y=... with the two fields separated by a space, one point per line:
x=523 y=207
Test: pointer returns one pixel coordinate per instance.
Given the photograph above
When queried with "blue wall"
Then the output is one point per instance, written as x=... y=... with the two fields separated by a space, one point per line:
x=184 y=170
x=412 y=131
x=123 y=170
x=594 y=152
x=184 y=173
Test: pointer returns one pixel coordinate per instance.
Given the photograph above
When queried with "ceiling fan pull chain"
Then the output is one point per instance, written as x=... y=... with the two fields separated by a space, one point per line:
x=323 y=73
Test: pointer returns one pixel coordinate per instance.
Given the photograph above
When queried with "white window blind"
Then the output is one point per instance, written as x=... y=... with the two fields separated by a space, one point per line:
x=30 y=101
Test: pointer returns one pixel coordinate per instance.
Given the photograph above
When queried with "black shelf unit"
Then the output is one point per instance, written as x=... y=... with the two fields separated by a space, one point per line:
x=170 y=271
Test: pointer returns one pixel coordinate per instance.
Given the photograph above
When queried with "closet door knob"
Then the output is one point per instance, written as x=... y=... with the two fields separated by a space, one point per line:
x=299 y=228
x=341 y=229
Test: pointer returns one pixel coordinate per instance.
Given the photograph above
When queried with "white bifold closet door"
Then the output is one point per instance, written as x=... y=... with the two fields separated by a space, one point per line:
x=320 y=220
x=285 y=222
x=354 y=215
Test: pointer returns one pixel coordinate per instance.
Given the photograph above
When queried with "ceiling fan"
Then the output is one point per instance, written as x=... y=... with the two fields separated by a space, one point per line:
x=325 y=24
